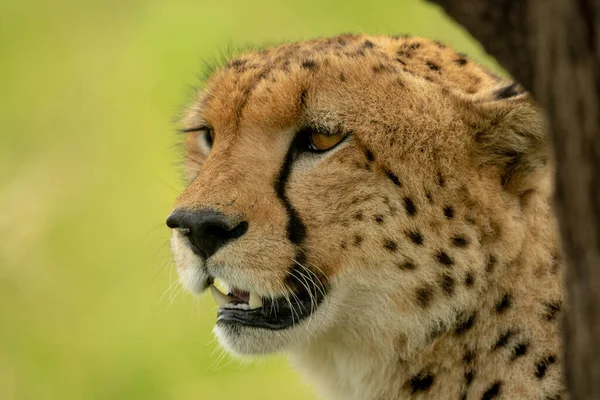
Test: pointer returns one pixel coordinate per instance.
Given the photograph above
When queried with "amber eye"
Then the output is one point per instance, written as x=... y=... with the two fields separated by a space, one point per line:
x=318 y=142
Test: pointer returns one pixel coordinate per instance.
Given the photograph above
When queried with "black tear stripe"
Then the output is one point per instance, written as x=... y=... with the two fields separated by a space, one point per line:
x=296 y=230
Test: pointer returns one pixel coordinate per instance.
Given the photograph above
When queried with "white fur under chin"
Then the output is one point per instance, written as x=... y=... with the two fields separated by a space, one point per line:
x=246 y=341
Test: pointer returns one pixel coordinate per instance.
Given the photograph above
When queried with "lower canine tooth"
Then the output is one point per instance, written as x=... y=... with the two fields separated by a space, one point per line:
x=255 y=301
x=221 y=299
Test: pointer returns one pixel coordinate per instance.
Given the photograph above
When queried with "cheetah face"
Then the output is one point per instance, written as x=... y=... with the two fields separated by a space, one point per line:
x=324 y=183
x=256 y=256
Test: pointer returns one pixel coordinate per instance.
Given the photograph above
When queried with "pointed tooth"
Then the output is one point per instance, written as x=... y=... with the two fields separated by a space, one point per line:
x=222 y=286
x=255 y=301
x=221 y=299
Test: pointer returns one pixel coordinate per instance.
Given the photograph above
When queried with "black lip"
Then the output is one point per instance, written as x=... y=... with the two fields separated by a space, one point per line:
x=275 y=314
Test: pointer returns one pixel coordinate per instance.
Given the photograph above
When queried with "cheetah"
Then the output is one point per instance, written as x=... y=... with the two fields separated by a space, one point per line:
x=379 y=209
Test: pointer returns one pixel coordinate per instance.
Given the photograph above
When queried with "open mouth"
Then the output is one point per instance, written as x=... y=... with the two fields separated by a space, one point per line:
x=239 y=307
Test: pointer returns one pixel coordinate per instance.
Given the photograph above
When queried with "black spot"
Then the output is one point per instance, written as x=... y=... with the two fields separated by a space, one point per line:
x=263 y=75
x=237 y=63
x=390 y=245
x=240 y=66
x=480 y=136
x=357 y=240
x=436 y=332
x=491 y=263
x=343 y=245
x=465 y=323
x=447 y=284
x=503 y=339
x=393 y=178
x=400 y=61
x=367 y=44
x=552 y=309
x=441 y=179
x=461 y=60
x=429 y=197
x=407 y=265
x=309 y=64
x=469 y=356
x=492 y=392
x=342 y=77
x=421 y=382
x=469 y=280
x=433 y=66
x=449 y=212
x=469 y=374
x=379 y=68
x=555 y=396
x=507 y=92
x=542 y=366
x=378 y=218
x=460 y=241
x=444 y=258
x=410 y=207
x=296 y=230
x=358 y=216
x=415 y=237
x=519 y=350
x=424 y=296
x=369 y=155
x=302 y=99
x=555 y=264
x=414 y=46
x=503 y=304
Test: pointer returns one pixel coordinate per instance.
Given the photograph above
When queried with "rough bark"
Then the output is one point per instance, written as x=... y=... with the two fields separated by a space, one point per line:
x=553 y=48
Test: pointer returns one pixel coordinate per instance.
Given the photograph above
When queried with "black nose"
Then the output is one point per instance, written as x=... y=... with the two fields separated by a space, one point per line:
x=207 y=230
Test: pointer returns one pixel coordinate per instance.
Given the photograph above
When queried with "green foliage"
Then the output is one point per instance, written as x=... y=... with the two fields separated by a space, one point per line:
x=89 y=171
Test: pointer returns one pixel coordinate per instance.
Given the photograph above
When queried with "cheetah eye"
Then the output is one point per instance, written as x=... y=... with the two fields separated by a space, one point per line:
x=315 y=141
x=205 y=133
x=209 y=136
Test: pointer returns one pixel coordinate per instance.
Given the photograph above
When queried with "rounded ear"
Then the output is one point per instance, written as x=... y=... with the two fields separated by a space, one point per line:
x=511 y=134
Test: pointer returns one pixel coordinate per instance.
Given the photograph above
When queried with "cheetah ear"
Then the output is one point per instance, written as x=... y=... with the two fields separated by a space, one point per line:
x=511 y=134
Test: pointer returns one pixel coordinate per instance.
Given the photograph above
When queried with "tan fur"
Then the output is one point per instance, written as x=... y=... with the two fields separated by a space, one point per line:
x=471 y=312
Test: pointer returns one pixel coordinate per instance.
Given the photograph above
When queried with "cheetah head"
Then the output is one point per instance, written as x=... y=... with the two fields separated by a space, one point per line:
x=339 y=185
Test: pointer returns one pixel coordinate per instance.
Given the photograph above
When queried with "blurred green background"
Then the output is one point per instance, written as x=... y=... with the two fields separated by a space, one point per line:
x=89 y=168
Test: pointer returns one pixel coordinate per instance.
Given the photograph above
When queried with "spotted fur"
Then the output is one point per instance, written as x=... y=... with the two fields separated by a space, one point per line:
x=431 y=224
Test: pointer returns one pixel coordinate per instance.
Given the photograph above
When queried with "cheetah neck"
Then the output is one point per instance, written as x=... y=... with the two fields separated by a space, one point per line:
x=504 y=344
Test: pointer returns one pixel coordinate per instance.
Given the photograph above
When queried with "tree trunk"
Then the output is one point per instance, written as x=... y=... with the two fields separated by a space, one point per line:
x=553 y=48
